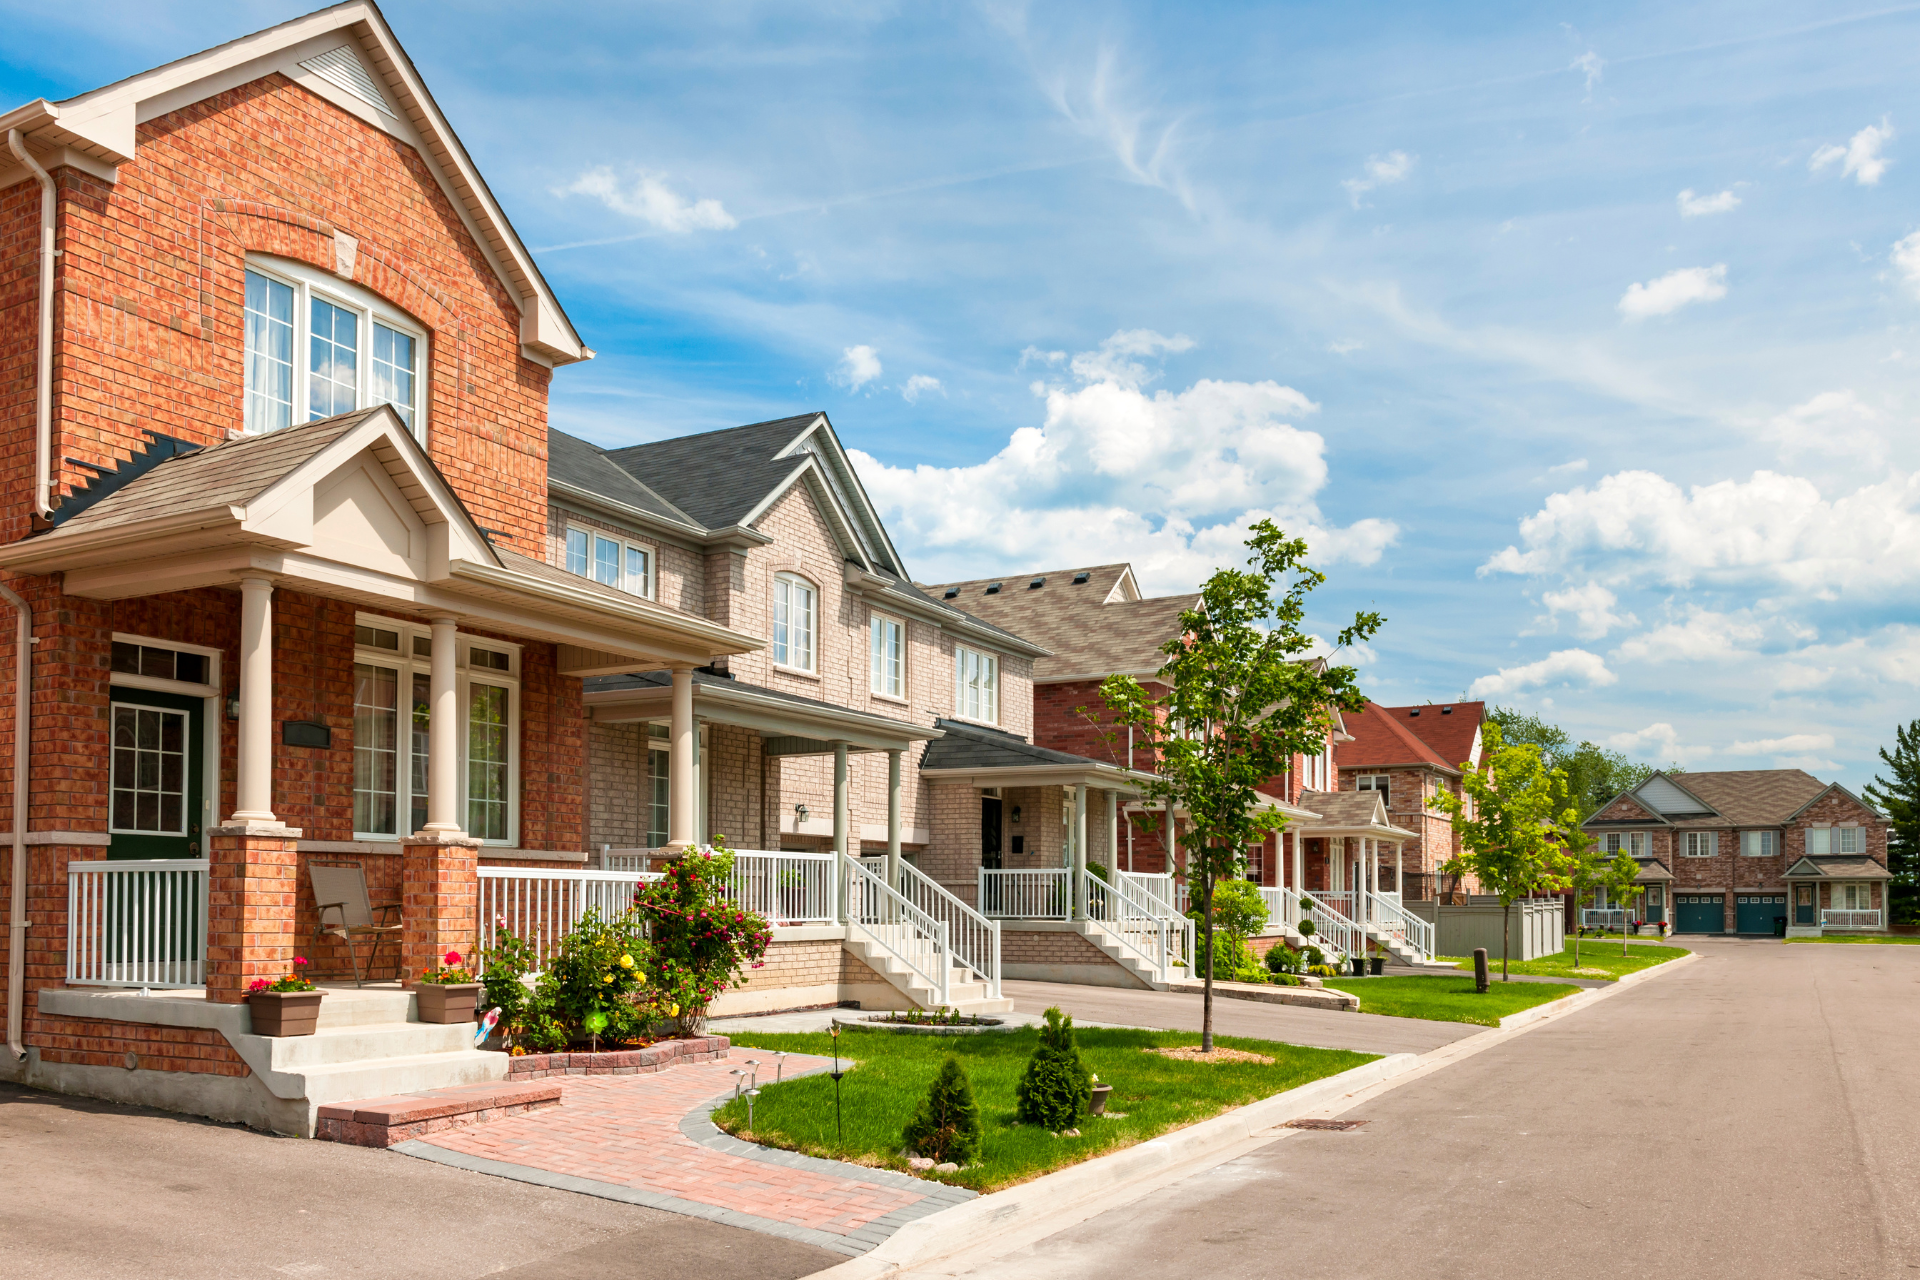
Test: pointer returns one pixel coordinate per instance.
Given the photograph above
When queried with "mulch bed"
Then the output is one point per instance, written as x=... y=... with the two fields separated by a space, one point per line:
x=1191 y=1053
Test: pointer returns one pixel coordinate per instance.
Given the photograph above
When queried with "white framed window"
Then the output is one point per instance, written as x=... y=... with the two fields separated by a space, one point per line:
x=317 y=345
x=1633 y=842
x=976 y=685
x=1853 y=897
x=1759 y=844
x=148 y=773
x=794 y=621
x=1849 y=840
x=1701 y=844
x=392 y=701
x=1819 y=841
x=1375 y=782
x=887 y=656
x=611 y=560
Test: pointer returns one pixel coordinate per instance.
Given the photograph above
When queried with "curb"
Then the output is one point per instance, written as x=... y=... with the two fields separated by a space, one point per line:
x=1587 y=995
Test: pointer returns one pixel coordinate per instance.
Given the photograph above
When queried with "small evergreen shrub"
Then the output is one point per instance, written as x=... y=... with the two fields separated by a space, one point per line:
x=947 y=1124
x=1054 y=1091
x=1282 y=959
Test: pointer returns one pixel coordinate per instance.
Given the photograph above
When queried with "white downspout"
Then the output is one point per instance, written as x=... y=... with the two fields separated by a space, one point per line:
x=17 y=914
x=43 y=392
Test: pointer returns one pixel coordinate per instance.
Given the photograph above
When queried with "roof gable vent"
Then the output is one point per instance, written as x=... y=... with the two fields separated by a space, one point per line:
x=342 y=69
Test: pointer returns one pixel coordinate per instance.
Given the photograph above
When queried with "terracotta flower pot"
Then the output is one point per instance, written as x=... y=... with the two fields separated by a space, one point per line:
x=285 y=1013
x=1097 y=1104
x=446 y=1002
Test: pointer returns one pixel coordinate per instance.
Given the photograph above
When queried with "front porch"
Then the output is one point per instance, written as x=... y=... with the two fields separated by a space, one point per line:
x=1836 y=894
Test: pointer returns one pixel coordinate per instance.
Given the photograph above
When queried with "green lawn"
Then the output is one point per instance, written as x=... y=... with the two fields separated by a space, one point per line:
x=1874 y=939
x=1598 y=960
x=1448 y=999
x=1152 y=1094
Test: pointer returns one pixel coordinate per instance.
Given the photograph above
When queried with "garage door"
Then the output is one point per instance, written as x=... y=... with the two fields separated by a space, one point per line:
x=1700 y=912
x=1755 y=912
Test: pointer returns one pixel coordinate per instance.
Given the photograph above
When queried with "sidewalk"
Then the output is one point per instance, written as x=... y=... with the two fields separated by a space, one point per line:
x=646 y=1140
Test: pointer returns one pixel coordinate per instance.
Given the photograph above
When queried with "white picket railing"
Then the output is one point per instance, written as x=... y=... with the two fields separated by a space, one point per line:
x=1332 y=928
x=1603 y=917
x=1158 y=885
x=1387 y=916
x=912 y=936
x=975 y=939
x=1849 y=919
x=541 y=906
x=1026 y=893
x=787 y=888
x=137 y=923
x=1144 y=925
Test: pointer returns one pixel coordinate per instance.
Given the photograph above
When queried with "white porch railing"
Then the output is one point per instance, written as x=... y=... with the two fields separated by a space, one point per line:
x=1159 y=886
x=1331 y=926
x=542 y=906
x=915 y=938
x=1849 y=919
x=786 y=888
x=137 y=923
x=1026 y=893
x=1144 y=925
x=1386 y=916
x=975 y=939
x=1603 y=917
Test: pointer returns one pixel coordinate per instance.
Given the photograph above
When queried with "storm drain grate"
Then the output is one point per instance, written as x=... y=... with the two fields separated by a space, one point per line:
x=1330 y=1126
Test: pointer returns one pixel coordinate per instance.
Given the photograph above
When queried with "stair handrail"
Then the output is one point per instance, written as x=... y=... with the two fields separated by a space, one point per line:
x=1393 y=917
x=1143 y=924
x=890 y=920
x=1331 y=925
x=975 y=938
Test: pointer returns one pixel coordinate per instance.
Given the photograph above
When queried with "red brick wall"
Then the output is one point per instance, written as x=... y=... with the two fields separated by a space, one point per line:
x=93 y=1043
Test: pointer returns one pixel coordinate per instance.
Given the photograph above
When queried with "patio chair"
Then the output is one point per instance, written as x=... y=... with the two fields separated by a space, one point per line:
x=340 y=888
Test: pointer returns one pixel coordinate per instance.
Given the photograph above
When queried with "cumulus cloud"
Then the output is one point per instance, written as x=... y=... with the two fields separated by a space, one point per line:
x=1674 y=290
x=1693 y=206
x=1379 y=171
x=1116 y=469
x=1591 y=607
x=1792 y=744
x=1657 y=741
x=1703 y=635
x=1860 y=158
x=858 y=366
x=1564 y=666
x=647 y=196
x=1906 y=260
x=918 y=385
x=1769 y=531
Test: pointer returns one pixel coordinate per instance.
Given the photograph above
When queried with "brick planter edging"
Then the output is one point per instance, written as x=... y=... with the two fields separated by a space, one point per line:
x=383 y=1122
x=619 y=1062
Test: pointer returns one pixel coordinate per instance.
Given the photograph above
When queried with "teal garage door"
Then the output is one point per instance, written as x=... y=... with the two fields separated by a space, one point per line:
x=1700 y=912
x=1755 y=912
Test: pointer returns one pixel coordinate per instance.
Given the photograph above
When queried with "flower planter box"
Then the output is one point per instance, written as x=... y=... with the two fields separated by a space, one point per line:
x=446 y=1002
x=285 y=1013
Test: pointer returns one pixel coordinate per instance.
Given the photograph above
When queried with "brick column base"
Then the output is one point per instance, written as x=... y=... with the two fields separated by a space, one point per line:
x=252 y=886
x=439 y=900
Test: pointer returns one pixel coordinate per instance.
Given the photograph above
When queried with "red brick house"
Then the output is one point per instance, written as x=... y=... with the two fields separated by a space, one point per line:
x=1407 y=755
x=1736 y=851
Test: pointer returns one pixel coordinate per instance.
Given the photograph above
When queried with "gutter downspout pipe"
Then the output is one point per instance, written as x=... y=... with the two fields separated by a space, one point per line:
x=17 y=885
x=43 y=393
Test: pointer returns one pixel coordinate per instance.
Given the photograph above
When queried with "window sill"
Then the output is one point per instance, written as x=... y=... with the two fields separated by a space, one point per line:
x=801 y=672
x=986 y=724
x=894 y=698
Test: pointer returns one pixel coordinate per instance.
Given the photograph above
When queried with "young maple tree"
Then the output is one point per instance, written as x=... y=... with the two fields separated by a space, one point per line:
x=1583 y=868
x=1241 y=699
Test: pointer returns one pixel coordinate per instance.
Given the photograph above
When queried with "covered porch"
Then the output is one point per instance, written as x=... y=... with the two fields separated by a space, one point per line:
x=1836 y=894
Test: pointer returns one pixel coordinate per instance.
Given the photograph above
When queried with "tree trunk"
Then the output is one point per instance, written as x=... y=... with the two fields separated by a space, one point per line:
x=1206 y=994
x=1506 y=932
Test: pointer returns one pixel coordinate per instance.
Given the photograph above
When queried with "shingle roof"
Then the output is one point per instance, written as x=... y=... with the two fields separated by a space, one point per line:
x=1088 y=635
x=573 y=461
x=1448 y=727
x=900 y=584
x=664 y=680
x=717 y=477
x=1381 y=737
x=1841 y=868
x=969 y=746
x=1750 y=797
x=1341 y=808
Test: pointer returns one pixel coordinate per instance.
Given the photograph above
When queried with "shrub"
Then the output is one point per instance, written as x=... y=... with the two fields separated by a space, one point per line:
x=701 y=940
x=1311 y=955
x=596 y=983
x=1056 y=1086
x=947 y=1124
x=1322 y=971
x=508 y=963
x=1282 y=959
x=1282 y=980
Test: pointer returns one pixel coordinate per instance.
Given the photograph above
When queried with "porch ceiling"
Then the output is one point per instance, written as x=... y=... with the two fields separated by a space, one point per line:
x=798 y=726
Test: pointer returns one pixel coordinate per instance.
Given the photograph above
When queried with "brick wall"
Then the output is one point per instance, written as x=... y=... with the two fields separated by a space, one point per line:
x=1053 y=946
x=93 y=1043
x=809 y=964
x=617 y=771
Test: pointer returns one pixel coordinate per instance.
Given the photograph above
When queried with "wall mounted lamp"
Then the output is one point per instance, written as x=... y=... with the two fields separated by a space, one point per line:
x=799 y=814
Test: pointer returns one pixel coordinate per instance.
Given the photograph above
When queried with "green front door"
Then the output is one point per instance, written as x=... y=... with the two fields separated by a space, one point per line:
x=1755 y=912
x=1803 y=904
x=1700 y=913
x=155 y=774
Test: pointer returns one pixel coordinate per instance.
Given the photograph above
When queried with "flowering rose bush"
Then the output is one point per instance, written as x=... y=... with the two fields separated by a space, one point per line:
x=702 y=941
x=294 y=981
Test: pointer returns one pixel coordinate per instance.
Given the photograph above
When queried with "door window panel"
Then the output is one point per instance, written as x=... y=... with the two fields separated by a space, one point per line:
x=148 y=774
x=422 y=705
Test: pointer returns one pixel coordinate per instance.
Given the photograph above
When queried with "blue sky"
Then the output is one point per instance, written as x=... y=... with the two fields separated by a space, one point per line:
x=1579 y=339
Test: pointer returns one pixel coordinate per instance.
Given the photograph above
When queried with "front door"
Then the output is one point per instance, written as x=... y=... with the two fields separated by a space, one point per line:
x=1803 y=904
x=154 y=774
x=990 y=832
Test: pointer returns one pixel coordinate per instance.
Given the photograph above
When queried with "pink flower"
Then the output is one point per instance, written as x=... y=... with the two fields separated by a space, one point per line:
x=452 y=957
x=300 y=960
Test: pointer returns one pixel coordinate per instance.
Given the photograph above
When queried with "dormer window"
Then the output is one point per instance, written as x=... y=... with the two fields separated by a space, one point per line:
x=317 y=346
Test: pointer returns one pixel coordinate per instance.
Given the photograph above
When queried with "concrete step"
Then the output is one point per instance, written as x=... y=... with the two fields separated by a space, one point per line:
x=386 y=1077
x=349 y=1006
x=369 y=1042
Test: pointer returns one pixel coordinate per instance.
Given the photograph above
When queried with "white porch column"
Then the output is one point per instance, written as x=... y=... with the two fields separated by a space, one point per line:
x=1113 y=833
x=1079 y=862
x=683 y=795
x=839 y=828
x=1399 y=874
x=253 y=772
x=443 y=733
x=1299 y=865
x=893 y=818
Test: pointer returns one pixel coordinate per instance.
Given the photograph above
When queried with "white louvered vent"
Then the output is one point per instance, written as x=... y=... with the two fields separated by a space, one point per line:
x=342 y=68
x=1666 y=798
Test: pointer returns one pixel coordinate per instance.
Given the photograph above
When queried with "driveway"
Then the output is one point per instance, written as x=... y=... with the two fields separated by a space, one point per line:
x=1748 y=1115
x=96 y=1191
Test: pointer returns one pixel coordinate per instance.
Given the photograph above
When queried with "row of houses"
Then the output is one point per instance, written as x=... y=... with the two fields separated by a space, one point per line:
x=305 y=579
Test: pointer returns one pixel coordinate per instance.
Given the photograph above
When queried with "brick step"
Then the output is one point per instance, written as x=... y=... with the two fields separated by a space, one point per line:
x=382 y=1122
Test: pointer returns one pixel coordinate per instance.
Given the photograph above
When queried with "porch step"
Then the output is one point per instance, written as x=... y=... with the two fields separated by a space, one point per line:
x=964 y=993
x=1149 y=975
x=359 y=1006
x=383 y=1122
x=368 y=1042
x=385 y=1077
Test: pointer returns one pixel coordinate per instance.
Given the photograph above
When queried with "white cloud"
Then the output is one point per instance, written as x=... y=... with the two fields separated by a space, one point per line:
x=1663 y=740
x=1906 y=260
x=648 y=197
x=1792 y=744
x=1589 y=64
x=1379 y=171
x=1168 y=479
x=1863 y=665
x=1674 y=290
x=1034 y=355
x=917 y=385
x=1861 y=156
x=858 y=366
x=1564 y=666
x=1693 y=206
x=1568 y=468
x=1703 y=636
x=1591 y=607
x=1344 y=346
x=1831 y=424
x=1772 y=530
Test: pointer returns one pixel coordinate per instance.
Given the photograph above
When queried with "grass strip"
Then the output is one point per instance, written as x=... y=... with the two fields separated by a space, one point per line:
x=1865 y=939
x=1601 y=962
x=1449 y=999
x=1152 y=1094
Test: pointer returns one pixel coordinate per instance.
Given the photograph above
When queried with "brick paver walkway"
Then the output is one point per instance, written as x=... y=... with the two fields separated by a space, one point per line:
x=646 y=1139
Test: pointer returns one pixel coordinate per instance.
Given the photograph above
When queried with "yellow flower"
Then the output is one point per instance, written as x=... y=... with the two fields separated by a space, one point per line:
x=675 y=1013
x=606 y=977
x=626 y=962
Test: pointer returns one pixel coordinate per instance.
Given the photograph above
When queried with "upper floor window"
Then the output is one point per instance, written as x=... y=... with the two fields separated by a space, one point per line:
x=1825 y=840
x=1759 y=844
x=1701 y=844
x=793 y=621
x=1634 y=843
x=317 y=346
x=610 y=560
x=1375 y=782
x=888 y=658
x=976 y=685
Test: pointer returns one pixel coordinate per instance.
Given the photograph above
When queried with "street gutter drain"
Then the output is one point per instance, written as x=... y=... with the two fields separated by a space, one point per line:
x=1330 y=1126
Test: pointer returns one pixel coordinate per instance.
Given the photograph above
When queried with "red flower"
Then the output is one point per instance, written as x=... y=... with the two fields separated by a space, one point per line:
x=452 y=957
x=300 y=960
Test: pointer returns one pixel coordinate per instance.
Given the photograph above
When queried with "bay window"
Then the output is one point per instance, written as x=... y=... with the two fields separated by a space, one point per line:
x=317 y=346
x=976 y=685
x=793 y=622
x=887 y=660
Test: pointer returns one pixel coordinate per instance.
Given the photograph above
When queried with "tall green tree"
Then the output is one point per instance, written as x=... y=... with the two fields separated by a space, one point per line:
x=1242 y=699
x=1580 y=864
x=1595 y=775
x=1898 y=797
x=1617 y=878
x=1508 y=816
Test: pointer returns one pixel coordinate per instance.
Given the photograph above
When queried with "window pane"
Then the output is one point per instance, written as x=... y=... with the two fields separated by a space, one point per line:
x=376 y=731
x=156 y=662
x=333 y=370
x=417 y=776
x=659 y=793
x=126 y=657
x=803 y=627
x=487 y=763
x=606 y=561
x=782 y=604
x=191 y=667
x=638 y=577
x=148 y=770
x=269 y=353
x=376 y=638
x=577 y=552
x=393 y=370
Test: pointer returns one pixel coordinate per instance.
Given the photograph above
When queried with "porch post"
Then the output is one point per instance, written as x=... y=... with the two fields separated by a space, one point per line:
x=839 y=828
x=1299 y=865
x=1113 y=832
x=253 y=771
x=443 y=735
x=1080 y=852
x=682 y=794
x=893 y=818
x=1399 y=879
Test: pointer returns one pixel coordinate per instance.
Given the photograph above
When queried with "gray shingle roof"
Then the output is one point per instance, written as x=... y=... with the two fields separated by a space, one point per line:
x=664 y=680
x=717 y=477
x=586 y=466
x=1087 y=635
x=969 y=746
x=1750 y=797
x=1340 y=808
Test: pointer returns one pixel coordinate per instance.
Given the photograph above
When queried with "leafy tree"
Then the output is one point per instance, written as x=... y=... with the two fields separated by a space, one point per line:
x=1057 y=1085
x=1510 y=844
x=1580 y=866
x=701 y=940
x=1899 y=798
x=1243 y=698
x=1617 y=878
x=947 y=1124
x=1595 y=775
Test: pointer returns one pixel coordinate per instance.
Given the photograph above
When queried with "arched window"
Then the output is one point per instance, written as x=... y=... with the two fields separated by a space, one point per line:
x=794 y=614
